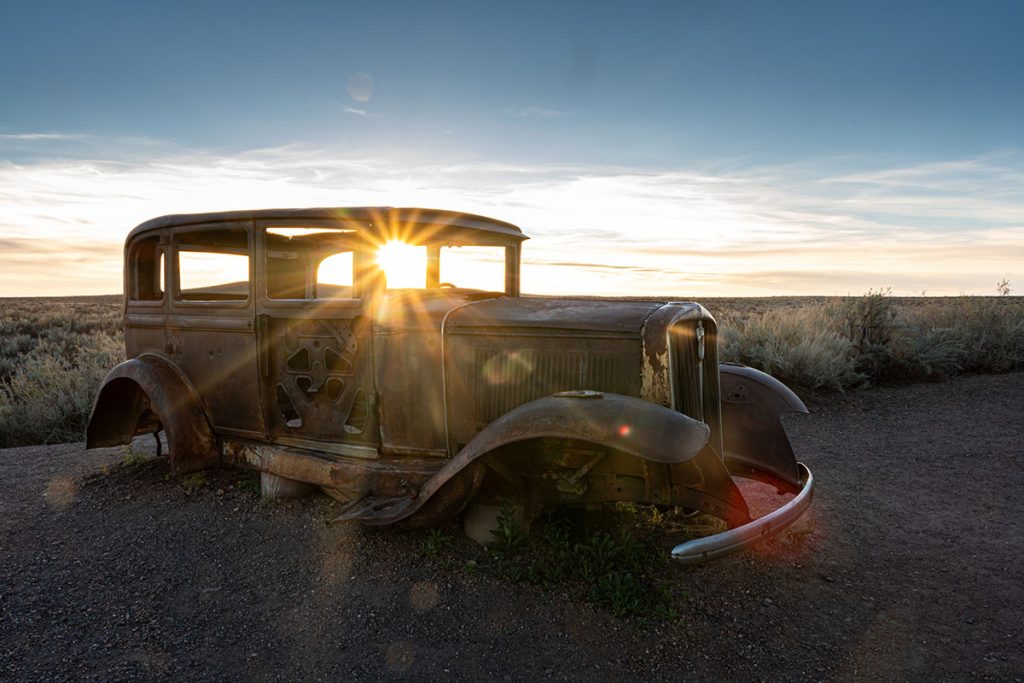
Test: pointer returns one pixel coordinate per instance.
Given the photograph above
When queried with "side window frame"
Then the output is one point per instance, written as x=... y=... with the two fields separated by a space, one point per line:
x=509 y=284
x=359 y=265
x=131 y=274
x=174 y=272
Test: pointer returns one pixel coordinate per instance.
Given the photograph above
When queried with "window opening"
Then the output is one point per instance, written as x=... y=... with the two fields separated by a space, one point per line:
x=310 y=263
x=473 y=267
x=146 y=270
x=213 y=265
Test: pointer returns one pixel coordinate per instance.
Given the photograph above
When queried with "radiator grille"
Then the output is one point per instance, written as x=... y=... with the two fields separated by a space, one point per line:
x=507 y=379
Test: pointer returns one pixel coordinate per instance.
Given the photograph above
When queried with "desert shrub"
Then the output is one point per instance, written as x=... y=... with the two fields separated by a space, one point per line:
x=33 y=328
x=887 y=347
x=869 y=324
x=48 y=397
x=918 y=353
x=986 y=333
x=877 y=338
x=53 y=356
x=800 y=346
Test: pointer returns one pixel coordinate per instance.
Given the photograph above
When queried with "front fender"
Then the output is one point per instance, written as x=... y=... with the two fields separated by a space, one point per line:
x=753 y=436
x=152 y=383
x=631 y=425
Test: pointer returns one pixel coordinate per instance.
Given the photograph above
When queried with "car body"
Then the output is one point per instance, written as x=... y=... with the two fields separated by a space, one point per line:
x=271 y=339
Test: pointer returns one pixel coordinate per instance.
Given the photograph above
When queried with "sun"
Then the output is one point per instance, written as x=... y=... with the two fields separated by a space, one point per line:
x=405 y=265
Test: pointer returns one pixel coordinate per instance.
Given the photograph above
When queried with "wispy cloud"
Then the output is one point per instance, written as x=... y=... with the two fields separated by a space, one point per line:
x=355 y=111
x=39 y=136
x=950 y=227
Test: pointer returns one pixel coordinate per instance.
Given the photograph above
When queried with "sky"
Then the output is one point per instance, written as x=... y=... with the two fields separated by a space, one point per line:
x=679 y=149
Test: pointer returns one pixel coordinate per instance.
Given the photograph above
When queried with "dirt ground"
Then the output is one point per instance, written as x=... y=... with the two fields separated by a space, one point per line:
x=909 y=567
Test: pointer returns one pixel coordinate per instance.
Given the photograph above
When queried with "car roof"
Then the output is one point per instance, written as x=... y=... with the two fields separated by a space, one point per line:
x=409 y=219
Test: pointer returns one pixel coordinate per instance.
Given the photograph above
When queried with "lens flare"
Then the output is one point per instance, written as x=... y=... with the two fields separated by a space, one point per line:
x=404 y=265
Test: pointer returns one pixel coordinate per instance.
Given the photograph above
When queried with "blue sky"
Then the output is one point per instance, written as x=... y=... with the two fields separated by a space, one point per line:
x=816 y=131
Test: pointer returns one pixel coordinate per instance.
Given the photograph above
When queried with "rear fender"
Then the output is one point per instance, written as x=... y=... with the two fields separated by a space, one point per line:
x=150 y=383
x=659 y=436
x=755 y=441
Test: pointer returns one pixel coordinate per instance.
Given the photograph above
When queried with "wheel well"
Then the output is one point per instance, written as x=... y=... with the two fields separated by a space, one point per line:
x=145 y=394
x=121 y=411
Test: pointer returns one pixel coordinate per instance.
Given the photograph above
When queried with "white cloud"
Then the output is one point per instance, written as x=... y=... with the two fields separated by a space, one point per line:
x=352 y=110
x=39 y=136
x=957 y=227
x=355 y=111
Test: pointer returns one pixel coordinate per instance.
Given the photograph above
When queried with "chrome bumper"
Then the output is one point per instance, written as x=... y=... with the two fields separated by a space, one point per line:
x=708 y=548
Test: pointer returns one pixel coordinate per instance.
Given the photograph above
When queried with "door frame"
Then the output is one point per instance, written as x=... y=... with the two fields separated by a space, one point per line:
x=267 y=309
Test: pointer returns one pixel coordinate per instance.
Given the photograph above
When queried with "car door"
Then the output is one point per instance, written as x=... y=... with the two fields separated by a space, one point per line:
x=210 y=332
x=315 y=342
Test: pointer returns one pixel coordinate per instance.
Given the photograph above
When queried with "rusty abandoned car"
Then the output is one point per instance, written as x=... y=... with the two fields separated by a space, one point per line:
x=274 y=340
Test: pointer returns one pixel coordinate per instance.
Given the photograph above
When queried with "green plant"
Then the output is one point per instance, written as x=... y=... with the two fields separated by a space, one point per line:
x=249 y=484
x=597 y=556
x=615 y=569
x=134 y=458
x=625 y=594
x=509 y=536
x=193 y=482
x=435 y=544
x=620 y=592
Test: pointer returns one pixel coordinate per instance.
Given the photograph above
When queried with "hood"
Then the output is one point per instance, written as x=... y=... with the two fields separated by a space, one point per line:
x=592 y=315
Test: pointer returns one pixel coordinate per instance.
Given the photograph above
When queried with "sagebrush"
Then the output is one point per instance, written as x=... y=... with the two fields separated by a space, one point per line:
x=53 y=355
x=851 y=342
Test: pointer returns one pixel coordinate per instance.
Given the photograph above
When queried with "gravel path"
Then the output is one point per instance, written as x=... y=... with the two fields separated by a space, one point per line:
x=908 y=567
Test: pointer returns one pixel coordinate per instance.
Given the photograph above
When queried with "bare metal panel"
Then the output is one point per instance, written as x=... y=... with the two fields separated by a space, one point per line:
x=587 y=315
x=411 y=405
x=221 y=365
x=148 y=337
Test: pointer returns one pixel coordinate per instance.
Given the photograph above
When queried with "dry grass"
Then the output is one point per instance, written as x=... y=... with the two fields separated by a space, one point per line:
x=55 y=352
x=796 y=344
x=53 y=355
x=851 y=342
